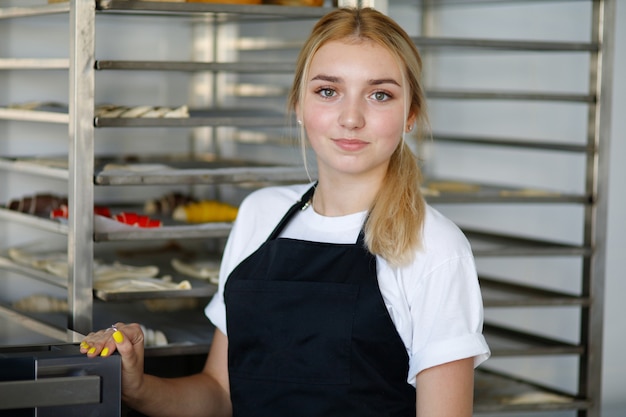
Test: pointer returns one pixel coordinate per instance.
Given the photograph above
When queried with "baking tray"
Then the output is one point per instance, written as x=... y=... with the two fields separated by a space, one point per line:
x=151 y=255
x=165 y=170
x=22 y=330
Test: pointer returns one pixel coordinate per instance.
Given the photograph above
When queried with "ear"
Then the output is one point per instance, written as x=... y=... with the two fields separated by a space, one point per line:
x=298 y=113
x=410 y=121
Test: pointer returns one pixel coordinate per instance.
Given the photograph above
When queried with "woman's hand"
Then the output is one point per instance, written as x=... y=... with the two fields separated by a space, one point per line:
x=128 y=340
x=201 y=394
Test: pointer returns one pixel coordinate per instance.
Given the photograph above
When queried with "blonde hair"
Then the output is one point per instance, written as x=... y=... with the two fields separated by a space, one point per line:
x=393 y=227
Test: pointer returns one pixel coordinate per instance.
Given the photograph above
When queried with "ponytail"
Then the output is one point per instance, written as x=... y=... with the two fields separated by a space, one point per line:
x=394 y=226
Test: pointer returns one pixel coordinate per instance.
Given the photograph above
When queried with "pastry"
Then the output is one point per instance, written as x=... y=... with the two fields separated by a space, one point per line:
x=296 y=2
x=167 y=203
x=140 y=284
x=227 y=1
x=40 y=204
x=452 y=186
x=205 y=211
x=209 y=270
x=55 y=262
x=112 y=111
x=152 y=337
x=41 y=303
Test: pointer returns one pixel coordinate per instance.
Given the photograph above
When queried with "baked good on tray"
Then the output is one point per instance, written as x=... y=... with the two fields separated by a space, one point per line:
x=40 y=204
x=317 y=3
x=205 y=211
x=227 y=1
x=166 y=204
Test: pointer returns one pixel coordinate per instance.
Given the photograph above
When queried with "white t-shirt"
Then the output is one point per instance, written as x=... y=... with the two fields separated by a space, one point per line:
x=435 y=302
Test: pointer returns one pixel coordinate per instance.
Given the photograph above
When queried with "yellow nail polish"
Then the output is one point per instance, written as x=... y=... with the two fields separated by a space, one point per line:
x=84 y=345
x=92 y=350
x=104 y=352
x=118 y=336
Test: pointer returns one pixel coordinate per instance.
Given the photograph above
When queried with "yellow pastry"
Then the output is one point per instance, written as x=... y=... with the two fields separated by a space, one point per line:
x=205 y=211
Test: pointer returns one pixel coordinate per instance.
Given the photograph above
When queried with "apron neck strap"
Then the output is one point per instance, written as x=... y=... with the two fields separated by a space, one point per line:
x=305 y=200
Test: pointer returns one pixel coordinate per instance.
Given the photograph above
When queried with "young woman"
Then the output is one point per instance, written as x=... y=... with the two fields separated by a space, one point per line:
x=346 y=297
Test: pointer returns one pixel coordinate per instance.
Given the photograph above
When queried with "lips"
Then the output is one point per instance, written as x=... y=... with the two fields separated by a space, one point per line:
x=350 y=145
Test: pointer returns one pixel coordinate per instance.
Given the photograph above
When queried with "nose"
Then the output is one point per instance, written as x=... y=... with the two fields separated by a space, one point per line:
x=352 y=114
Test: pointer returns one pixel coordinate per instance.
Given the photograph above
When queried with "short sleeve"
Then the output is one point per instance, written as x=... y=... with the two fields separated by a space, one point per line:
x=435 y=302
x=447 y=314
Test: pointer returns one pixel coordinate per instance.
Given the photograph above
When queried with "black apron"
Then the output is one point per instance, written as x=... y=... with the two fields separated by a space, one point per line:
x=309 y=333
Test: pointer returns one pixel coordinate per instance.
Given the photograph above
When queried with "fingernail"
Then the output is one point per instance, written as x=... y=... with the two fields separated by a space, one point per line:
x=118 y=336
x=84 y=345
x=92 y=350
x=104 y=352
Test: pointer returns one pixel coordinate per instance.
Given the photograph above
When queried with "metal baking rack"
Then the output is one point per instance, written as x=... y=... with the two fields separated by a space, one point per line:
x=495 y=392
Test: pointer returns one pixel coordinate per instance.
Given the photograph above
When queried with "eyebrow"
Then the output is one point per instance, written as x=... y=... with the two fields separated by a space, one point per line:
x=333 y=79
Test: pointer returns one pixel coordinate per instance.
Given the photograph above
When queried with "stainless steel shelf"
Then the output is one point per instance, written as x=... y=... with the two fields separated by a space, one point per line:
x=190 y=66
x=197 y=291
x=196 y=231
x=498 y=293
x=466 y=44
x=172 y=170
x=225 y=11
x=203 y=118
x=442 y=191
x=497 y=392
x=487 y=244
x=510 y=95
x=505 y=341
x=197 y=118
x=444 y=3
x=36 y=222
x=21 y=330
x=514 y=143
x=51 y=168
x=483 y=243
x=200 y=289
x=46 y=9
x=163 y=170
x=208 y=175
x=9 y=265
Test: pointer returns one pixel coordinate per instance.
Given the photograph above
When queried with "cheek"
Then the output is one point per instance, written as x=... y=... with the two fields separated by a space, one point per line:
x=389 y=126
x=317 y=121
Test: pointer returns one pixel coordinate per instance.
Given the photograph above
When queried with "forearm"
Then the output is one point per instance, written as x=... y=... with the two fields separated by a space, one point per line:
x=446 y=390
x=195 y=395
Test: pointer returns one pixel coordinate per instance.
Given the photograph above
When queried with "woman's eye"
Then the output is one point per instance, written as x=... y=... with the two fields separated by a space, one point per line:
x=326 y=92
x=381 y=96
